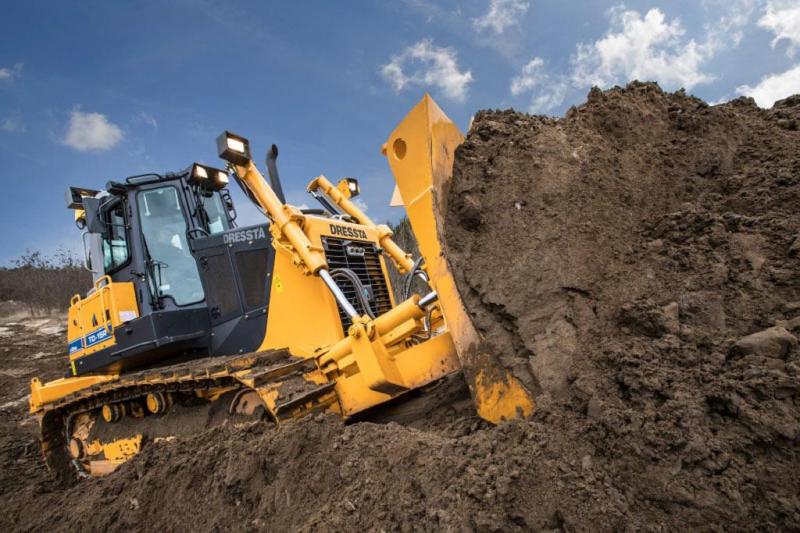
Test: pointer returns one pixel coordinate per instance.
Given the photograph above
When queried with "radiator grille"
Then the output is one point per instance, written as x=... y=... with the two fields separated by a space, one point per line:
x=368 y=269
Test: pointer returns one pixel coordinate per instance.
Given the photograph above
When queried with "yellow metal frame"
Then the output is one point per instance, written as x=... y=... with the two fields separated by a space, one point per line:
x=52 y=391
x=298 y=300
x=91 y=321
x=384 y=233
x=420 y=152
x=372 y=362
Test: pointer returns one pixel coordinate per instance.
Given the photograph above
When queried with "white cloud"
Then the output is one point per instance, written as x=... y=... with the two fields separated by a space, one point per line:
x=424 y=64
x=547 y=91
x=720 y=100
x=549 y=100
x=644 y=48
x=782 y=18
x=502 y=14
x=774 y=87
x=531 y=75
x=9 y=74
x=91 y=131
x=728 y=30
x=636 y=46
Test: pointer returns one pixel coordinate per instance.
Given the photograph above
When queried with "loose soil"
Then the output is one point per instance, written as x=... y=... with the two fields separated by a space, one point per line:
x=635 y=263
x=615 y=259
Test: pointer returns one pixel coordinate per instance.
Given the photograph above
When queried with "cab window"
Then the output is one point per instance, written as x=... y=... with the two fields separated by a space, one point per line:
x=115 y=239
x=214 y=210
x=172 y=266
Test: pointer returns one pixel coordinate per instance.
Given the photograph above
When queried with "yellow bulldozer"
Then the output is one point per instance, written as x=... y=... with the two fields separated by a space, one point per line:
x=191 y=313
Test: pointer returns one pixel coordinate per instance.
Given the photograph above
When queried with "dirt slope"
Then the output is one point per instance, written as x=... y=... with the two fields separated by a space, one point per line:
x=620 y=259
x=615 y=258
x=29 y=347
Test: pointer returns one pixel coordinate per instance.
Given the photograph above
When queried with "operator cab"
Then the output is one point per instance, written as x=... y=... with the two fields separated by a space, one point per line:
x=142 y=229
x=143 y=235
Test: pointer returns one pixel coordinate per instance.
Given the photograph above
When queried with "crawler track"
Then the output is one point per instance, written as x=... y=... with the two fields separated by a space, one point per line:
x=277 y=377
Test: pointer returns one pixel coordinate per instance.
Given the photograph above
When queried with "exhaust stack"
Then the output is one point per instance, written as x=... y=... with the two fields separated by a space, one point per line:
x=272 y=170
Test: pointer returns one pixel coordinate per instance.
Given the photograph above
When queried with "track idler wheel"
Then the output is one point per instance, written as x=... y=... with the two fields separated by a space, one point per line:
x=158 y=402
x=246 y=402
x=76 y=448
x=112 y=412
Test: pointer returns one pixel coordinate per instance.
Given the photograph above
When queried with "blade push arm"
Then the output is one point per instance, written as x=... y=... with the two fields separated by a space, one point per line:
x=287 y=220
x=401 y=259
x=371 y=345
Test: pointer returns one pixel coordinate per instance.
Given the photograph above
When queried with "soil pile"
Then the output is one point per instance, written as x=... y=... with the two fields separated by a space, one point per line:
x=638 y=264
x=634 y=262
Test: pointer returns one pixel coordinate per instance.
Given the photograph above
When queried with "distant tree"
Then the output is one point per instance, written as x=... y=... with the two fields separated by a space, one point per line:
x=405 y=239
x=44 y=284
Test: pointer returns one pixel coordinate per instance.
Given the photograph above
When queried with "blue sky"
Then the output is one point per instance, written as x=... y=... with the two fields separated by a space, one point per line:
x=94 y=91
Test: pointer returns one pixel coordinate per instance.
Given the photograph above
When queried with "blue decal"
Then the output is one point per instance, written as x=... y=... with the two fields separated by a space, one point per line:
x=75 y=346
x=96 y=337
x=91 y=339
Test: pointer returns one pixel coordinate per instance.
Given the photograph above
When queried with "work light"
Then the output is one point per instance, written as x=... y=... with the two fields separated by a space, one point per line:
x=233 y=148
x=208 y=177
x=75 y=196
x=349 y=187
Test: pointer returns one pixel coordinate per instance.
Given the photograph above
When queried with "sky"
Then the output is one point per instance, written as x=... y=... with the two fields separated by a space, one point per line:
x=94 y=91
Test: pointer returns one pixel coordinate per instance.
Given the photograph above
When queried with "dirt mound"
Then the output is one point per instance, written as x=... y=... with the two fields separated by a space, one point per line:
x=447 y=471
x=637 y=264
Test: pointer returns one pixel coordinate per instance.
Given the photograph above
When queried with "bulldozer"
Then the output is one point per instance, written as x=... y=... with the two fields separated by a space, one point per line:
x=192 y=317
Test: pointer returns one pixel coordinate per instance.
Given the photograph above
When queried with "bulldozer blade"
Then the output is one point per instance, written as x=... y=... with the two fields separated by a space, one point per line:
x=421 y=152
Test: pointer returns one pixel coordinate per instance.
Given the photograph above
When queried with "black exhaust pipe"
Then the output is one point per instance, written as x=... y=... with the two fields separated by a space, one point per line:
x=272 y=169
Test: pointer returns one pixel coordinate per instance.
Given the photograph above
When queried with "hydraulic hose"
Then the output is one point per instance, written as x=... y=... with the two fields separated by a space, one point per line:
x=352 y=278
x=409 y=278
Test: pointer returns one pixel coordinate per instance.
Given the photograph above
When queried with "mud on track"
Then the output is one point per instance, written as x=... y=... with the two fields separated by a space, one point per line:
x=636 y=262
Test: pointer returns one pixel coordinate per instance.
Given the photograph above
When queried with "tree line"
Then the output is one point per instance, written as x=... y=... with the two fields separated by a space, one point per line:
x=44 y=283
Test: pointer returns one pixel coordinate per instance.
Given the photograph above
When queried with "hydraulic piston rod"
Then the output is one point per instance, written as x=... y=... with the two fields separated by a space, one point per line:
x=338 y=294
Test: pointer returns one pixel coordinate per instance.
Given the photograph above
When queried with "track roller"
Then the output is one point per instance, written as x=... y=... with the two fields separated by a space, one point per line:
x=76 y=448
x=158 y=402
x=112 y=412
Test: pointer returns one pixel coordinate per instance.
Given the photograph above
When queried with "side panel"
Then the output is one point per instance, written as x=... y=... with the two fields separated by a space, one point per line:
x=92 y=320
x=303 y=315
x=236 y=269
x=150 y=340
